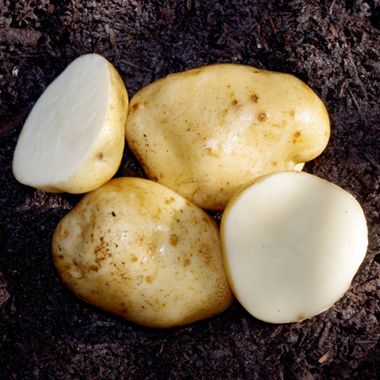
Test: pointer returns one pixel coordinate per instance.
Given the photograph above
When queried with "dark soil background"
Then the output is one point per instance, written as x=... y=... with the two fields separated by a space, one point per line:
x=334 y=46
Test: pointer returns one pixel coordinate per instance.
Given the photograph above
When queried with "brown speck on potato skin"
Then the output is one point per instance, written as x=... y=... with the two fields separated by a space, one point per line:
x=100 y=156
x=263 y=116
x=296 y=135
x=186 y=263
x=169 y=200
x=234 y=102
x=254 y=98
x=211 y=152
x=173 y=240
x=133 y=259
x=64 y=233
x=113 y=213
x=135 y=106
x=149 y=279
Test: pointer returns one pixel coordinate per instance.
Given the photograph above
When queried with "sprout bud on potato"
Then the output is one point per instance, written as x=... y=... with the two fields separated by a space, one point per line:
x=207 y=132
x=137 y=249
x=292 y=244
x=73 y=139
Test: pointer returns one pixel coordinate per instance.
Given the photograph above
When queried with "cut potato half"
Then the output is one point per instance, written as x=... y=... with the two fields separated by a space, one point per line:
x=292 y=244
x=73 y=139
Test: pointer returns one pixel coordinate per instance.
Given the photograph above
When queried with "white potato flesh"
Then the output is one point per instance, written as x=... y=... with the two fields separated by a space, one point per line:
x=208 y=132
x=73 y=139
x=292 y=244
x=137 y=249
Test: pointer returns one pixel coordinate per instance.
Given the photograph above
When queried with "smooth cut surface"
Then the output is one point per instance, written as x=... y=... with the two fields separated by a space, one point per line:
x=139 y=250
x=73 y=138
x=292 y=243
x=208 y=132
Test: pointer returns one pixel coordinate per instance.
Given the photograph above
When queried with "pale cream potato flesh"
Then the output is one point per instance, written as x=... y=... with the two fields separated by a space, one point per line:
x=292 y=244
x=73 y=138
x=208 y=132
x=137 y=249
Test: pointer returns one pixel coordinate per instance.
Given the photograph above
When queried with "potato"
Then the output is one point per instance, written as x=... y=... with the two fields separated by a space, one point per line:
x=292 y=244
x=139 y=250
x=207 y=132
x=73 y=139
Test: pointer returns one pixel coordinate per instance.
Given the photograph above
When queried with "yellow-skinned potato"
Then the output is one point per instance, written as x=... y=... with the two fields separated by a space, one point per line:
x=207 y=132
x=137 y=249
x=73 y=139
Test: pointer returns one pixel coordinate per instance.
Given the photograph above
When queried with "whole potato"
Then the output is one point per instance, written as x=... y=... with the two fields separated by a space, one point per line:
x=207 y=132
x=139 y=250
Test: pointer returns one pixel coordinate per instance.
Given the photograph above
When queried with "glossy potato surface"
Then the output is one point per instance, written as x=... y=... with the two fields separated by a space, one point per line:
x=137 y=249
x=207 y=132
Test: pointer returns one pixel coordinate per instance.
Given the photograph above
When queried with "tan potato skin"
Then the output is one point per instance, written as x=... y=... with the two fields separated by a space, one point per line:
x=207 y=132
x=141 y=251
x=104 y=159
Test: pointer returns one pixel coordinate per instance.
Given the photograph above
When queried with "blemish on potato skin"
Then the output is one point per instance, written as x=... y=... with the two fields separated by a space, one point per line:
x=296 y=135
x=133 y=259
x=274 y=163
x=254 y=98
x=186 y=263
x=100 y=156
x=234 y=102
x=173 y=240
x=169 y=200
x=149 y=279
x=101 y=251
x=292 y=113
x=262 y=116
x=64 y=233
x=211 y=152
